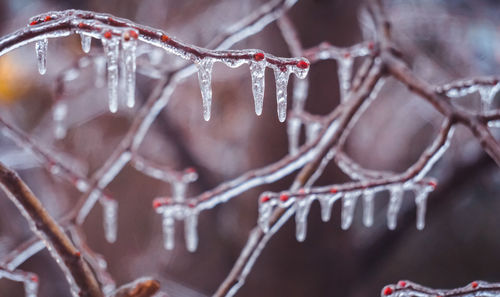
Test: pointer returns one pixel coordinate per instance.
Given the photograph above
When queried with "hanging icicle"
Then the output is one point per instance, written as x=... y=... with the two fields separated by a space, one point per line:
x=205 y=79
x=129 y=45
x=395 y=201
x=41 y=55
x=86 y=41
x=111 y=46
x=281 y=76
x=257 y=71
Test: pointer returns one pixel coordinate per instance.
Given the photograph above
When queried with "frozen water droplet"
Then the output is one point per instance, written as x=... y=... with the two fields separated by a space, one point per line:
x=86 y=41
x=281 y=91
x=205 y=80
x=265 y=211
x=326 y=202
x=395 y=201
x=110 y=209
x=179 y=191
x=111 y=50
x=168 y=229
x=293 y=130
x=368 y=208
x=348 y=206
x=344 y=73
x=129 y=57
x=257 y=71
x=421 y=202
x=302 y=210
x=41 y=55
x=191 y=233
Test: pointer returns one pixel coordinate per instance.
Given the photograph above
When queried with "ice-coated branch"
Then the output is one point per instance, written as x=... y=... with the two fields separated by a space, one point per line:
x=142 y=287
x=30 y=280
x=405 y=288
x=119 y=34
x=76 y=270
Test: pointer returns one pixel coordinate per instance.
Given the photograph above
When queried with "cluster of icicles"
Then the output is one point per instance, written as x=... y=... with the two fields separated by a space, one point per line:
x=301 y=201
x=120 y=44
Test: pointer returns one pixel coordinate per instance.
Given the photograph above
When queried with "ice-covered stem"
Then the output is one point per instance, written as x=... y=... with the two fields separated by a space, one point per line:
x=82 y=281
x=472 y=121
x=22 y=253
x=142 y=287
x=405 y=288
x=29 y=279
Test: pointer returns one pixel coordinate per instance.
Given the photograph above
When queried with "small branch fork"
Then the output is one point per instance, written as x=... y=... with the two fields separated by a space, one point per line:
x=381 y=59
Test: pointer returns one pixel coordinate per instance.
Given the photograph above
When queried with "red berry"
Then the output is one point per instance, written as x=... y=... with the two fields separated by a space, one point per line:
x=190 y=170
x=34 y=278
x=333 y=190
x=157 y=203
x=433 y=184
x=474 y=285
x=402 y=284
x=81 y=25
x=259 y=56
x=264 y=199
x=33 y=23
x=78 y=254
x=164 y=38
x=108 y=34
x=191 y=204
x=48 y=18
x=133 y=34
x=388 y=291
x=284 y=197
x=302 y=64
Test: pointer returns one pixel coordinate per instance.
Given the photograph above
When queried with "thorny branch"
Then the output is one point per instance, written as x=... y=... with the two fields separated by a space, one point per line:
x=382 y=59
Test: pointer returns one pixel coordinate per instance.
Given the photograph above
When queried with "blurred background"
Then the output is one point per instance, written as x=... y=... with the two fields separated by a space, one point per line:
x=441 y=40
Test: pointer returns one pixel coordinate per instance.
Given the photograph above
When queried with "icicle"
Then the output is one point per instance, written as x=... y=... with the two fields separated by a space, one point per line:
x=86 y=41
x=302 y=210
x=396 y=199
x=129 y=46
x=487 y=95
x=111 y=49
x=168 y=229
x=258 y=71
x=179 y=191
x=348 y=205
x=326 y=202
x=205 y=80
x=312 y=131
x=421 y=202
x=110 y=216
x=265 y=211
x=344 y=73
x=190 y=226
x=41 y=55
x=293 y=130
x=368 y=208
x=281 y=76
x=59 y=115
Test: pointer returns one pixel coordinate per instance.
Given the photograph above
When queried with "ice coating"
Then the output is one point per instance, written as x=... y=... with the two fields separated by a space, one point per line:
x=41 y=55
x=281 y=76
x=129 y=45
x=86 y=41
x=258 y=71
x=112 y=50
x=205 y=81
